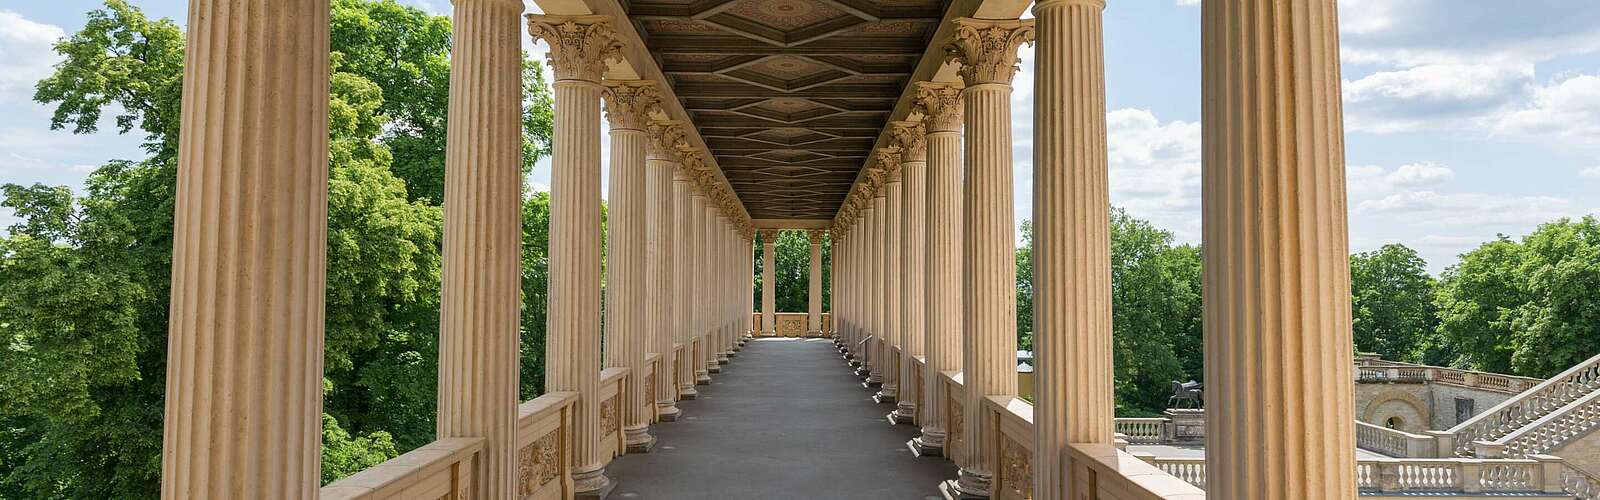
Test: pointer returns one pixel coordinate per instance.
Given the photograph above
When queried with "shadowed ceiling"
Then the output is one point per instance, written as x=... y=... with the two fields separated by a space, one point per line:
x=789 y=95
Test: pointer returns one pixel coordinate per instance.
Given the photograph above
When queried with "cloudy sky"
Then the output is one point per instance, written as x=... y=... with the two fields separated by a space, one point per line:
x=1464 y=118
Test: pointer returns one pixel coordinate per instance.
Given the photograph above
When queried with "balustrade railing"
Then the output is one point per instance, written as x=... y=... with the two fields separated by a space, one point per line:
x=1535 y=403
x=1382 y=371
x=1144 y=430
x=442 y=469
x=1582 y=485
x=1573 y=421
x=1545 y=474
x=1394 y=442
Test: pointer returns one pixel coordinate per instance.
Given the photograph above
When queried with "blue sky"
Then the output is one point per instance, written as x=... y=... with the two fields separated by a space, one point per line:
x=1464 y=118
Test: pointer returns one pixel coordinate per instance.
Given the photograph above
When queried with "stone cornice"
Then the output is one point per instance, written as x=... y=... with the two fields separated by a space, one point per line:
x=579 y=45
x=940 y=106
x=987 y=49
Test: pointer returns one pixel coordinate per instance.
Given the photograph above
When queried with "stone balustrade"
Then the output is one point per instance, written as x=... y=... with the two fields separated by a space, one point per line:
x=1583 y=485
x=612 y=441
x=790 y=325
x=1538 y=476
x=1573 y=421
x=1395 y=442
x=1372 y=370
x=442 y=469
x=544 y=447
x=1535 y=403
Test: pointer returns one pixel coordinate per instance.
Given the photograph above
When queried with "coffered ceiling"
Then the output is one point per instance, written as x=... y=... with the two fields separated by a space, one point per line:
x=789 y=95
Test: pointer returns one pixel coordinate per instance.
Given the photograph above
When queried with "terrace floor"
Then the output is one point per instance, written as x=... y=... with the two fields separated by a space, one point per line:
x=785 y=419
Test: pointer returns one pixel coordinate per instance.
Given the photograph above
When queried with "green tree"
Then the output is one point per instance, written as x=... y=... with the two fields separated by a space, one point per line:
x=792 y=272
x=1392 y=307
x=1025 y=288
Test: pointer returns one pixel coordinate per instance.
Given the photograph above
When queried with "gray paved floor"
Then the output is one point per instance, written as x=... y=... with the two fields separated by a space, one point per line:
x=785 y=419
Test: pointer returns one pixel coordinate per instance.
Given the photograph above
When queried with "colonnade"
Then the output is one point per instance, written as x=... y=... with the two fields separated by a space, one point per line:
x=938 y=266
x=250 y=222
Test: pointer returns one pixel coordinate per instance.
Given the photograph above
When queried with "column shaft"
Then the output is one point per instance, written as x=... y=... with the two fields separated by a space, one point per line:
x=768 y=275
x=661 y=262
x=942 y=261
x=628 y=105
x=989 y=282
x=913 y=285
x=890 y=291
x=875 y=291
x=244 y=351
x=702 y=295
x=684 y=249
x=1277 y=281
x=814 y=290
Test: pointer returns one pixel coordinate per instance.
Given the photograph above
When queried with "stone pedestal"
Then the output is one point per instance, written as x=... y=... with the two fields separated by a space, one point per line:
x=1188 y=425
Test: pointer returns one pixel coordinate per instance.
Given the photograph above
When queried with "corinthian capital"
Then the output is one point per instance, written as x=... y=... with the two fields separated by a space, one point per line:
x=816 y=236
x=875 y=180
x=940 y=106
x=665 y=137
x=769 y=236
x=987 y=49
x=579 y=45
x=908 y=136
x=889 y=160
x=630 y=102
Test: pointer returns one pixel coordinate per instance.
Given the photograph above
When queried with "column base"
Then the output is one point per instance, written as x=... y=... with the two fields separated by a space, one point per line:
x=905 y=412
x=723 y=357
x=702 y=378
x=814 y=334
x=714 y=369
x=591 y=483
x=638 y=440
x=888 y=393
x=862 y=371
x=970 y=485
x=688 y=392
x=874 y=377
x=668 y=411
x=929 y=444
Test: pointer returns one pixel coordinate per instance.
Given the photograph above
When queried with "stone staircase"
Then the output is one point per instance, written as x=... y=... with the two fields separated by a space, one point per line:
x=1546 y=404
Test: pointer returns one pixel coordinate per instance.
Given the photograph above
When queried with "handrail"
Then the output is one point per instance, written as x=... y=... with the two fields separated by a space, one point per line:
x=1394 y=442
x=1573 y=421
x=1580 y=483
x=1384 y=371
x=436 y=470
x=1436 y=475
x=1527 y=407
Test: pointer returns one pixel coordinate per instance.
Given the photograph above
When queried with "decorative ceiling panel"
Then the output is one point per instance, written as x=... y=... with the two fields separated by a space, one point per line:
x=789 y=95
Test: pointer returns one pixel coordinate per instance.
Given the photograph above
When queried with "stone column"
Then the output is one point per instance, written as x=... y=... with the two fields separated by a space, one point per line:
x=1278 y=365
x=684 y=248
x=1071 y=241
x=708 y=262
x=889 y=158
x=940 y=107
x=874 y=290
x=628 y=105
x=697 y=216
x=908 y=137
x=814 y=288
x=987 y=51
x=579 y=46
x=249 y=254
x=661 y=260
x=725 y=302
x=769 y=241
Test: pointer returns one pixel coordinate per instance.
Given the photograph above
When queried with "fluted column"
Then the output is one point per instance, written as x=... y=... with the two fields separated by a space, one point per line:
x=684 y=249
x=1278 y=365
x=697 y=216
x=987 y=51
x=628 y=105
x=814 y=288
x=908 y=137
x=889 y=158
x=660 y=261
x=579 y=46
x=249 y=254
x=940 y=107
x=713 y=314
x=725 y=297
x=1071 y=242
x=769 y=240
x=874 y=290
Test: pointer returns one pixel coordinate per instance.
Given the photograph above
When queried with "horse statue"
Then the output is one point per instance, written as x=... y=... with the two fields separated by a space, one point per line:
x=1189 y=394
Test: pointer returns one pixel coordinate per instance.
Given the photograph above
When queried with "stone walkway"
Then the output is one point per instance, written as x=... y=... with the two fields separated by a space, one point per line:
x=785 y=419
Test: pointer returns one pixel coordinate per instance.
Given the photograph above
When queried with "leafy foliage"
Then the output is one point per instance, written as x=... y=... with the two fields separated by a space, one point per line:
x=1392 y=309
x=792 y=272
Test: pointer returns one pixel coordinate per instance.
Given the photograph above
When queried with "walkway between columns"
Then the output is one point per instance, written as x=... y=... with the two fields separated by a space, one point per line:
x=786 y=419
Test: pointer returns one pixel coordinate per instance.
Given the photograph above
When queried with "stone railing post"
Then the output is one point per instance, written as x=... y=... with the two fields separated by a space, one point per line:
x=1549 y=473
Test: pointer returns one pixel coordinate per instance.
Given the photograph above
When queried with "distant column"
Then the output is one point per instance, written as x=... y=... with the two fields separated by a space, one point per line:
x=628 y=105
x=661 y=159
x=987 y=51
x=1278 y=365
x=710 y=288
x=874 y=289
x=814 y=292
x=249 y=254
x=769 y=242
x=1071 y=243
x=909 y=138
x=940 y=106
x=701 y=295
x=889 y=159
x=684 y=248
x=579 y=48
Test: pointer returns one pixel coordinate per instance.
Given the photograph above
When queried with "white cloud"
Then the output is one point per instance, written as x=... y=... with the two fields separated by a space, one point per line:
x=1590 y=173
x=25 y=54
x=1433 y=96
x=1415 y=32
x=1187 y=3
x=1429 y=208
x=1155 y=169
x=1568 y=109
x=1420 y=174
